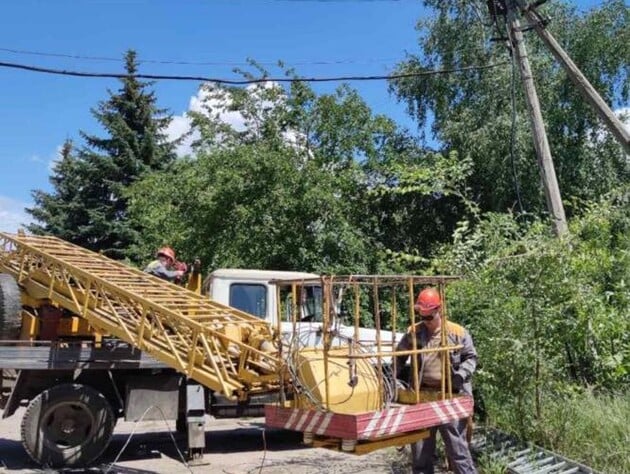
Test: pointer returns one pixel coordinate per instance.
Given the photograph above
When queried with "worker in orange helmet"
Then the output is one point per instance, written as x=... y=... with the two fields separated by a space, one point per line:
x=165 y=266
x=463 y=363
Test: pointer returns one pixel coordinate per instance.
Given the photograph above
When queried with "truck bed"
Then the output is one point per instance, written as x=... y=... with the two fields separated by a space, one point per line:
x=69 y=356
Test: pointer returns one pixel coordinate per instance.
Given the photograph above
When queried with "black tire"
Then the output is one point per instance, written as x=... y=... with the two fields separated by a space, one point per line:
x=67 y=425
x=10 y=308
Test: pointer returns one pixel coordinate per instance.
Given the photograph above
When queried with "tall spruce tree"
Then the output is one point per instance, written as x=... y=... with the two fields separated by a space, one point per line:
x=61 y=212
x=88 y=205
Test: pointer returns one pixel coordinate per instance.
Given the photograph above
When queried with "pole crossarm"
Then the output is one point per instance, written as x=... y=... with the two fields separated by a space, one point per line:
x=207 y=341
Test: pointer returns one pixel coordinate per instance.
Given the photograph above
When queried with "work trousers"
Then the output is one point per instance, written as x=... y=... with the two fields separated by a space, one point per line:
x=454 y=437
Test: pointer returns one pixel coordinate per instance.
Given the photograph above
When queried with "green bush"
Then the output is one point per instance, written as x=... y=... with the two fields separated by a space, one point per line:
x=551 y=322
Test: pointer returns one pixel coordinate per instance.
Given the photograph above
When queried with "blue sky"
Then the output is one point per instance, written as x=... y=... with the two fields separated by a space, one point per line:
x=40 y=111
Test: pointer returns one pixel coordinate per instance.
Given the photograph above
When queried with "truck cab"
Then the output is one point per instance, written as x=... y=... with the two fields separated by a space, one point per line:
x=262 y=292
x=256 y=292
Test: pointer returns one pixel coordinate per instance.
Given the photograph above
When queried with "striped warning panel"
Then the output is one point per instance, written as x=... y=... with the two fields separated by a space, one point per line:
x=368 y=426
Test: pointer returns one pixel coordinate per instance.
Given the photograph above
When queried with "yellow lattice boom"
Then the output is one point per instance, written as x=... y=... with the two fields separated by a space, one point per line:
x=226 y=350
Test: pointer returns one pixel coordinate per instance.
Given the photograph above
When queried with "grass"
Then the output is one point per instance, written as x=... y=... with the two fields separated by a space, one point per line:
x=591 y=429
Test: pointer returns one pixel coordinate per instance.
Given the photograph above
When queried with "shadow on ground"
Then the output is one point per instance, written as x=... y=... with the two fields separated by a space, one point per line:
x=155 y=445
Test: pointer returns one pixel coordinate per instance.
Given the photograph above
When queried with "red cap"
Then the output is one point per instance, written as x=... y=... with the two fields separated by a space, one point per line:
x=167 y=252
x=428 y=301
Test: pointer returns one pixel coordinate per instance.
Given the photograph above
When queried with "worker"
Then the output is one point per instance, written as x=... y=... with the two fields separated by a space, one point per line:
x=165 y=266
x=463 y=362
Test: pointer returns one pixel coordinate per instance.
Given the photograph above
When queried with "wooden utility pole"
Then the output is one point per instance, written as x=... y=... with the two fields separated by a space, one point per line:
x=579 y=80
x=543 y=153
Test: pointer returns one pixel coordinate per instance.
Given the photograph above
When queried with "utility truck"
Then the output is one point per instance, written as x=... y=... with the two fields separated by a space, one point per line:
x=88 y=340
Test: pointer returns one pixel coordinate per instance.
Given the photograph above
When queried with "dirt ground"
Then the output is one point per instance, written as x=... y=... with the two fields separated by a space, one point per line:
x=232 y=447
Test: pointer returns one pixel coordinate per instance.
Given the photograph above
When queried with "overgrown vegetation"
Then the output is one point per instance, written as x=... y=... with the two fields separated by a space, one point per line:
x=551 y=322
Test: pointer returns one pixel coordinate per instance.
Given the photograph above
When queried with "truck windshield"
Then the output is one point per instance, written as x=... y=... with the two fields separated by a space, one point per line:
x=310 y=303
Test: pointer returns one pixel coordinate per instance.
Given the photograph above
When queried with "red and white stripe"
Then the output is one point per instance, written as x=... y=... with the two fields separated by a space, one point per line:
x=388 y=422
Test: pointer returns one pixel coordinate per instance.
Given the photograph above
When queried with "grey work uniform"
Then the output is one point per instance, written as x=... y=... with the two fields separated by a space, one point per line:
x=463 y=363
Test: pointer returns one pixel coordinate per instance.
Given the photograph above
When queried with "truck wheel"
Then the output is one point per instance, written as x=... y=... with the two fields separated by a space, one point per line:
x=10 y=308
x=67 y=425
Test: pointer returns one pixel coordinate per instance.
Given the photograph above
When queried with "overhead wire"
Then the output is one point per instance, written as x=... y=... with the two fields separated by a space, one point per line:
x=192 y=63
x=517 y=186
x=498 y=13
x=216 y=80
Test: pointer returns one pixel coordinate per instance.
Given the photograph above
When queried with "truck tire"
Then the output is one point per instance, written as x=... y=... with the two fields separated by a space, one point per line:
x=67 y=425
x=10 y=308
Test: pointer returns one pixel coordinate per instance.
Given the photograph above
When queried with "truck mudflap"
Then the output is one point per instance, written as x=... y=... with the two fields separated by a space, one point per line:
x=13 y=402
x=393 y=421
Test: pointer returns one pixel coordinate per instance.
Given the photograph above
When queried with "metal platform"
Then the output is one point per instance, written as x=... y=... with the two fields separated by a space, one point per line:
x=395 y=420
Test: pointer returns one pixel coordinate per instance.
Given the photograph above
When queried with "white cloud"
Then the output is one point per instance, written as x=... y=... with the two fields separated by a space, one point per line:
x=51 y=160
x=601 y=132
x=202 y=103
x=180 y=126
x=12 y=215
x=213 y=101
x=624 y=115
x=55 y=158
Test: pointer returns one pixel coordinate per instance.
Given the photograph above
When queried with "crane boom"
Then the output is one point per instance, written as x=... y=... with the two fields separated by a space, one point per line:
x=220 y=347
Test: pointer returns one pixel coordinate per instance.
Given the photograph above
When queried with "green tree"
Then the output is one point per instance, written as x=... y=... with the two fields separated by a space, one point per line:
x=291 y=188
x=559 y=308
x=250 y=206
x=88 y=205
x=62 y=212
x=472 y=113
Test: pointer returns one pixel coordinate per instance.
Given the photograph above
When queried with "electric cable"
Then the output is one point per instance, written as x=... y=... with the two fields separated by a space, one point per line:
x=133 y=431
x=432 y=72
x=195 y=63
x=304 y=339
x=517 y=187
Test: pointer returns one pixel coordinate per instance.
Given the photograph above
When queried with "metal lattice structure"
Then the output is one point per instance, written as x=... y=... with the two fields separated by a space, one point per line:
x=222 y=348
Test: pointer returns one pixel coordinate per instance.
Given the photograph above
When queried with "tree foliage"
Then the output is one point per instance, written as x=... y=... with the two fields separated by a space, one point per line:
x=482 y=114
x=558 y=307
x=88 y=204
x=303 y=181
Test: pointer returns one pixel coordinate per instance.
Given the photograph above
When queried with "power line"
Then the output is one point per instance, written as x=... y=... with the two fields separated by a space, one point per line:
x=192 y=63
x=432 y=72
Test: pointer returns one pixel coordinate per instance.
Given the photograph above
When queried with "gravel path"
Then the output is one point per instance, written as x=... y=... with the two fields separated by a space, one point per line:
x=232 y=447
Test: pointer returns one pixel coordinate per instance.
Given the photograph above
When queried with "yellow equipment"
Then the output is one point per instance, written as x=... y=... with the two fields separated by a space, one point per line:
x=222 y=348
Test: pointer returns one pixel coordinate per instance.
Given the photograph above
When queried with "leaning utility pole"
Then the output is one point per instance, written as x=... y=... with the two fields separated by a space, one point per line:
x=541 y=144
x=584 y=86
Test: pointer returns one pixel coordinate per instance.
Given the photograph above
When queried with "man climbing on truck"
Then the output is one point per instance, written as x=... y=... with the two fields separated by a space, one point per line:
x=165 y=266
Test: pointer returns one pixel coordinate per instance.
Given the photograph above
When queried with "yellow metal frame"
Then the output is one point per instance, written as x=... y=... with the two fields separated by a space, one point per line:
x=376 y=287
x=364 y=447
x=220 y=347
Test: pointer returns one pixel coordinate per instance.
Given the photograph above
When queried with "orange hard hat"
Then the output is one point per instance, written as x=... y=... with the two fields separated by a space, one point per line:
x=428 y=301
x=167 y=252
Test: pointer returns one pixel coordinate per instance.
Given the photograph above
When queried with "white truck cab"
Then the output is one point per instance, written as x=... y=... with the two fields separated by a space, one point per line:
x=256 y=292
